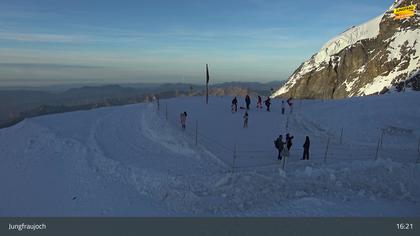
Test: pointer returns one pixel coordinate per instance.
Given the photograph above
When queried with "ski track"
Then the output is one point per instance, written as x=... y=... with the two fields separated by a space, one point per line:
x=171 y=185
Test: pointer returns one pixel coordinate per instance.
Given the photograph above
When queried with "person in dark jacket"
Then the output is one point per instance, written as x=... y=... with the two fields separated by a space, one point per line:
x=247 y=101
x=234 y=105
x=290 y=102
x=183 y=118
x=267 y=103
x=279 y=145
x=259 y=102
x=289 y=141
x=246 y=119
x=306 y=146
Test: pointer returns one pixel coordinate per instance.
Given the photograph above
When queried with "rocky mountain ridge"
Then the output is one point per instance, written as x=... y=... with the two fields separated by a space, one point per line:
x=378 y=56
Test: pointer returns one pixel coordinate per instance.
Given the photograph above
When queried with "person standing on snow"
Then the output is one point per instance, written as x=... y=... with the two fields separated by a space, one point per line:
x=157 y=102
x=279 y=144
x=267 y=103
x=282 y=107
x=289 y=141
x=235 y=105
x=183 y=118
x=259 y=103
x=247 y=101
x=306 y=149
x=289 y=101
x=246 y=119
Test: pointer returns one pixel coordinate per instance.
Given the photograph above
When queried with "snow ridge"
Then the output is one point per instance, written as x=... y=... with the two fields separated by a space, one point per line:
x=351 y=36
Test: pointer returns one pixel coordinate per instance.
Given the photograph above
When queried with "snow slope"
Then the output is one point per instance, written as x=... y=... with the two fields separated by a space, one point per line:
x=352 y=35
x=401 y=50
x=410 y=39
x=130 y=161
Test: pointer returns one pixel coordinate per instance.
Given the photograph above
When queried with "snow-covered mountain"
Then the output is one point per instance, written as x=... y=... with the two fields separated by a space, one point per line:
x=380 y=55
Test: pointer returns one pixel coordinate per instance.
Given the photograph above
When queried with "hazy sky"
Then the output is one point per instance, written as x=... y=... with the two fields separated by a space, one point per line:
x=52 y=41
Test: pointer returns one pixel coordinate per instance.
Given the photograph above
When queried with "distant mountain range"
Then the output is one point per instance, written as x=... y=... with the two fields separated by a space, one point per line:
x=20 y=103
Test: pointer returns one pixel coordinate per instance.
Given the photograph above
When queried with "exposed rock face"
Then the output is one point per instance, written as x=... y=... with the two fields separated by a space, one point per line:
x=380 y=55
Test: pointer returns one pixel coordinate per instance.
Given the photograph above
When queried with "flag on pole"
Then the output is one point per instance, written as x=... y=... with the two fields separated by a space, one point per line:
x=207 y=83
x=207 y=74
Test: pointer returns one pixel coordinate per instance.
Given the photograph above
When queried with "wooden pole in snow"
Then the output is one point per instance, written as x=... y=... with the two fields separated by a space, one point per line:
x=341 y=136
x=207 y=83
x=326 y=150
x=284 y=162
x=234 y=158
x=379 y=145
x=196 y=132
x=382 y=138
x=166 y=112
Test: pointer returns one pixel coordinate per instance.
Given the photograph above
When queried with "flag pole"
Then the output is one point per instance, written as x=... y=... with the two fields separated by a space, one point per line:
x=207 y=83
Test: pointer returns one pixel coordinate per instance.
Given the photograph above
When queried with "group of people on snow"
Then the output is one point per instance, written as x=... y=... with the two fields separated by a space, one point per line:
x=267 y=103
x=284 y=147
x=234 y=106
x=279 y=144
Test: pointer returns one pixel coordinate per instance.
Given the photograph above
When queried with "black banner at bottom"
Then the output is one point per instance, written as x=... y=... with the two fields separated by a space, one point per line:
x=210 y=226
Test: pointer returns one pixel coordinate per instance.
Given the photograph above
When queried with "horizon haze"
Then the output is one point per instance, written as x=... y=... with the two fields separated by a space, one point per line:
x=56 y=42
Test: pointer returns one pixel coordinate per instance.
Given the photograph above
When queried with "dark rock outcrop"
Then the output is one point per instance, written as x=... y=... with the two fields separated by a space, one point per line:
x=364 y=65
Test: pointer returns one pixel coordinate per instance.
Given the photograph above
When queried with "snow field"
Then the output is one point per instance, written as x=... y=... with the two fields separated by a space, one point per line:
x=130 y=160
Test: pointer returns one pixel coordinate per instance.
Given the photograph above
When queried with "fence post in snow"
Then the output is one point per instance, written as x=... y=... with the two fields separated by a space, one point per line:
x=196 y=132
x=234 y=158
x=418 y=152
x=284 y=162
x=382 y=138
x=326 y=150
x=379 y=145
x=166 y=112
x=341 y=136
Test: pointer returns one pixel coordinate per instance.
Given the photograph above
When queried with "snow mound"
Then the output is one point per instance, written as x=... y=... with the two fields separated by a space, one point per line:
x=161 y=132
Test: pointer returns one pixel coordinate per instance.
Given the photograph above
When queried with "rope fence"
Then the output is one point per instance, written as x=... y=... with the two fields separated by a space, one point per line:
x=333 y=146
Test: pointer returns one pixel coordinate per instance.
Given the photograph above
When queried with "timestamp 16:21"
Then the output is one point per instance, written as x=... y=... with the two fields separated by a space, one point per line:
x=405 y=226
